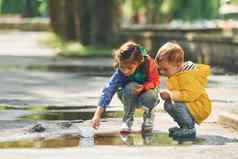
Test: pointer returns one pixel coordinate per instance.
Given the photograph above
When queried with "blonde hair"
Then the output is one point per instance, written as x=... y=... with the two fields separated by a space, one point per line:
x=128 y=53
x=171 y=52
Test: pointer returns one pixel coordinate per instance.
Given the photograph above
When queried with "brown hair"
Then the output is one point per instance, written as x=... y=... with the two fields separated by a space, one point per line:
x=171 y=52
x=128 y=53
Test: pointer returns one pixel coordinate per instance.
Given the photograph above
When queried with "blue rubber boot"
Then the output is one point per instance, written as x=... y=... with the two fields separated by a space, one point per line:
x=184 y=134
x=172 y=130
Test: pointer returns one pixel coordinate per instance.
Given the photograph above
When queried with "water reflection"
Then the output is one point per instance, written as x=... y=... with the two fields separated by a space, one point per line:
x=86 y=141
x=133 y=139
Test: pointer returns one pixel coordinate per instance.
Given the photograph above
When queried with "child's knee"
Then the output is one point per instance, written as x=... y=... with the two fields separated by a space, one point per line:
x=168 y=107
x=149 y=99
x=127 y=91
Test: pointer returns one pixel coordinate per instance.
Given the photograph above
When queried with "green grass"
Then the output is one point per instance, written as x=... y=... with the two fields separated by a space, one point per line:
x=73 y=49
x=4 y=107
x=32 y=108
x=37 y=108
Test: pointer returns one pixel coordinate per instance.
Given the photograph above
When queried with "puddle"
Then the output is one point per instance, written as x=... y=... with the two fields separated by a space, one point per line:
x=139 y=139
x=134 y=139
x=21 y=117
x=42 y=112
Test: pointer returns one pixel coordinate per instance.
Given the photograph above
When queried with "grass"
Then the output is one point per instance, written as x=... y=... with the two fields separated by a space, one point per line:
x=37 y=108
x=73 y=49
x=32 y=108
x=4 y=107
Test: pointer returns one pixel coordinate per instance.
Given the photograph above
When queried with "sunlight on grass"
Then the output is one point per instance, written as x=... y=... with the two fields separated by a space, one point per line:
x=75 y=49
x=32 y=108
x=37 y=108
x=4 y=107
x=51 y=40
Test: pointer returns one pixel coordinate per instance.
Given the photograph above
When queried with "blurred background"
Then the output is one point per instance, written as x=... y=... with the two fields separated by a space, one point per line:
x=56 y=56
x=92 y=28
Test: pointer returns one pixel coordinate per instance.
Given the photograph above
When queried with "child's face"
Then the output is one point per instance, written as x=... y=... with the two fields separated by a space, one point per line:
x=167 y=68
x=129 y=69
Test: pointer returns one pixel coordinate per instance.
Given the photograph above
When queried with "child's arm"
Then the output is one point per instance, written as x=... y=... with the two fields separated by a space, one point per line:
x=203 y=71
x=117 y=79
x=95 y=122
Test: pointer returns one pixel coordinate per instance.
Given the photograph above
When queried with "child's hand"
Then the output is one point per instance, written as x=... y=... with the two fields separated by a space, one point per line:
x=138 y=88
x=95 y=122
x=165 y=94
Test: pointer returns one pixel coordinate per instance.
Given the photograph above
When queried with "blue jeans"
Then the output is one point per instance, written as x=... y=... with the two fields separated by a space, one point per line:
x=179 y=112
x=148 y=99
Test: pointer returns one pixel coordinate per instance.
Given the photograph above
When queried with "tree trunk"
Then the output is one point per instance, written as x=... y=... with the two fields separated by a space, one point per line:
x=101 y=23
x=70 y=28
x=62 y=18
x=28 y=9
x=82 y=20
x=90 y=21
x=53 y=15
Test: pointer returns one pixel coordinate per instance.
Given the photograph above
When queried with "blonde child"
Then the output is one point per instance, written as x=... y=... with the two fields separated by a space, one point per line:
x=186 y=99
x=136 y=81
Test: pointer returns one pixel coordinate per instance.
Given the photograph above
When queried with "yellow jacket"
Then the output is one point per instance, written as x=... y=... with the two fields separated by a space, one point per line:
x=189 y=87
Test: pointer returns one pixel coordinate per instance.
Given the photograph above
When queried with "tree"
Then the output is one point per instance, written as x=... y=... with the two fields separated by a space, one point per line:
x=82 y=20
x=193 y=10
x=30 y=8
x=101 y=22
x=162 y=11
x=91 y=21
x=25 y=8
x=153 y=11
x=62 y=18
x=12 y=6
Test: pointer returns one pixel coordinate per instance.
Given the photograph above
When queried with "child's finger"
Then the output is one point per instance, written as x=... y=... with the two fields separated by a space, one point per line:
x=94 y=124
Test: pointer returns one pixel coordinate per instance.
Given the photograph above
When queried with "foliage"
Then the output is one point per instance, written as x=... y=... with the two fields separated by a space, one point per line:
x=73 y=48
x=4 y=107
x=164 y=10
x=21 y=7
x=234 y=1
x=76 y=49
x=158 y=11
x=193 y=10
x=11 y=7
x=43 y=8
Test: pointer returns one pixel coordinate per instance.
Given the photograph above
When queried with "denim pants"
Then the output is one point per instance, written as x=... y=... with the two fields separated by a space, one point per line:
x=179 y=112
x=148 y=99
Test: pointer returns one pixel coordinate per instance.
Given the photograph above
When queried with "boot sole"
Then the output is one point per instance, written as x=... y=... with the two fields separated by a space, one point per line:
x=185 y=139
x=125 y=132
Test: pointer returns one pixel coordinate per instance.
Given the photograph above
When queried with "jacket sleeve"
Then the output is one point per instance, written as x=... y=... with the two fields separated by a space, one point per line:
x=202 y=71
x=153 y=79
x=117 y=79
x=190 y=90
